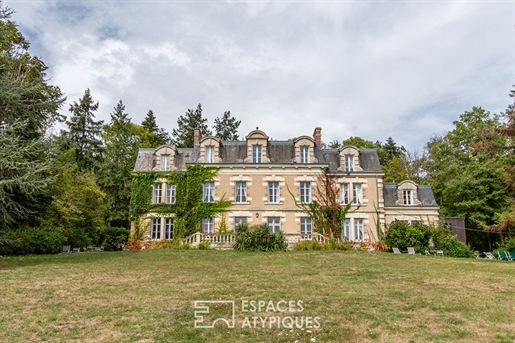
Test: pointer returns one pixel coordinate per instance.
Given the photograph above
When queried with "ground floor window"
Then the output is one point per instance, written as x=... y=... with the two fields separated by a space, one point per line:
x=352 y=229
x=274 y=223
x=238 y=220
x=156 y=228
x=208 y=225
x=305 y=226
x=168 y=228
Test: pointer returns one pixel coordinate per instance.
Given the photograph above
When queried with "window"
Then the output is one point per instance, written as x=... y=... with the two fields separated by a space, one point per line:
x=274 y=223
x=407 y=197
x=209 y=191
x=240 y=191
x=344 y=193
x=165 y=162
x=156 y=193
x=256 y=154
x=358 y=229
x=210 y=154
x=304 y=154
x=208 y=225
x=168 y=228
x=273 y=192
x=305 y=226
x=305 y=191
x=156 y=228
x=170 y=193
x=357 y=194
x=346 y=229
x=349 y=163
x=238 y=220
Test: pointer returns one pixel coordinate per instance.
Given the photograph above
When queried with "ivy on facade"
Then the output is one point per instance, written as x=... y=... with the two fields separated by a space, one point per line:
x=188 y=209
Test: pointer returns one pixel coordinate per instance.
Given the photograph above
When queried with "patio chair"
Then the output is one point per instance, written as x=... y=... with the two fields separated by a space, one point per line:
x=396 y=251
x=428 y=253
x=502 y=255
x=439 y=252
x=66 y=249
x=489 y=255
x=76 y=250
x=511 y=255
x=90 y=248
x=411 y=251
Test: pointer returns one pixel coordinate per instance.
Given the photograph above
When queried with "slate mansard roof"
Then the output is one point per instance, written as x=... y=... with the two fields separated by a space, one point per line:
x=424 y=195
x=279 y=153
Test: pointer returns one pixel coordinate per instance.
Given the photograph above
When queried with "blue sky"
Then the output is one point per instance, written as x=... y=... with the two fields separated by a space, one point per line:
x=374 y=69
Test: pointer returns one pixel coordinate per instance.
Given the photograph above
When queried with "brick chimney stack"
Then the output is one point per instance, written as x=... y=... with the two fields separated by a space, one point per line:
x=317 y=135
x=197 y=136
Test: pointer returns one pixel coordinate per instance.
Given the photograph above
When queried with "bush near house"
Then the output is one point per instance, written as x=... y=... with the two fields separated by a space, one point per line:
x=259 y=238
x=403 y=235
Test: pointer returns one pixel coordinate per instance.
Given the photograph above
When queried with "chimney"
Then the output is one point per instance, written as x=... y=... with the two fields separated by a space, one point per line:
x=197 y=136
x=317 y=135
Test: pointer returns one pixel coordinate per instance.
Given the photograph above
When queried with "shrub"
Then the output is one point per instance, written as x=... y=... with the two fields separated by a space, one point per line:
x=401 y=235
x=204 y=245
x=112 y=238
x=32 y=240
x=451 y=246
x=510 y=244
x=259 y=238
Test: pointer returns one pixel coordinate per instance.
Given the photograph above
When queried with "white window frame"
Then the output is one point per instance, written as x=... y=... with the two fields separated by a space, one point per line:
x=344 y=193
x=156 y=229
x=359 y=234
x=208 y=191
x=346 y=229
x=169 y=226
x=306 y=226
x=305 y=192
x=170 y=193
x=357 y=193
x=238 y=220
x=274 y=223
x=157 y=193
x=208 y=225
x=165 y=162
x=240 y=191
x=210 y=154
x=304 y=154
x=349 y=163
x=407 y=197
x=274 y=192
x=257 y=153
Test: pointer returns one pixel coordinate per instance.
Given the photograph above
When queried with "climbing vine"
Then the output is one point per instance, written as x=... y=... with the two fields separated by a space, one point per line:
x=188 y=209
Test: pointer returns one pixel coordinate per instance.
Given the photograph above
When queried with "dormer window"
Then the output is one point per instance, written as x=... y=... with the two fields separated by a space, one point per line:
x=210 y=154
x=165 y=162
x=304 y=154
x=256 y=154
x=349 y=163
x=407 y=197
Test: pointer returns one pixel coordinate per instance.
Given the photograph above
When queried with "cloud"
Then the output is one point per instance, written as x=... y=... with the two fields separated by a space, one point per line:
x=373 y=69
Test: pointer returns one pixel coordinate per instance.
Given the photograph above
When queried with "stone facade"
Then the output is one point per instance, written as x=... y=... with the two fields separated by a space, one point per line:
x=260 y=176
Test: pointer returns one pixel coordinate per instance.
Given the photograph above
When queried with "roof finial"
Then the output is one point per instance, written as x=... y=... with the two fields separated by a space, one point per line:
x=257 y=127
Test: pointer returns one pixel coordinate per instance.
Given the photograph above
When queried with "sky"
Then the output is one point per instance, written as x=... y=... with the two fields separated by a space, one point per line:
x=373 y=69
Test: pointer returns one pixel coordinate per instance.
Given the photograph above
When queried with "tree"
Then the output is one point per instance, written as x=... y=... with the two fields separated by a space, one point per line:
x=24 y=173
x=186 y=125
x=226 y=128
x=85 y=132
x=325 y=209
x=121 y=140
x=24 y=92
x=156 y=136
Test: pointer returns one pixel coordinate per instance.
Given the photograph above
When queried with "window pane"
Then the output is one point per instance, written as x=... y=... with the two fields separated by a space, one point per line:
x=304 y=154
x=256 y=153
x=209 y=191
x=358 y=229
x=305 y=192
x=168 y=228
x=305 y=226
x=346 y=229
x=170 y=193
x=240 y=191
x=165 y=162
x=274 y=223
x=273 y=192
x=156 y=193
x=207 y=225
x=210 y=154
x=238 y=220
x=156 y=228
x=349 y=163
x=357 y=193
x=344 y=193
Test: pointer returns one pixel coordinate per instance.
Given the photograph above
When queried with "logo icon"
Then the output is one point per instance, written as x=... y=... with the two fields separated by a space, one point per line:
x=209 y=312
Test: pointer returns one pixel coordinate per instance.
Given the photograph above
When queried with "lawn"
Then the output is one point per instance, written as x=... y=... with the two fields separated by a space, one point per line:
x=338 y=296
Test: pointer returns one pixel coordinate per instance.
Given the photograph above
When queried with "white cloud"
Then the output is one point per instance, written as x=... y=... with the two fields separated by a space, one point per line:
x=374 y=69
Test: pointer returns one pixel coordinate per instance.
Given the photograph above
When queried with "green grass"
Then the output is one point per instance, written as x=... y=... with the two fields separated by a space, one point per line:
x=148 y=296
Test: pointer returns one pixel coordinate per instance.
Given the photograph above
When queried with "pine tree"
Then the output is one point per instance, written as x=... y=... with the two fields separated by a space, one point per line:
x=156 y=136
x=183 y=135
x=226 y=128
x=84 y=132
